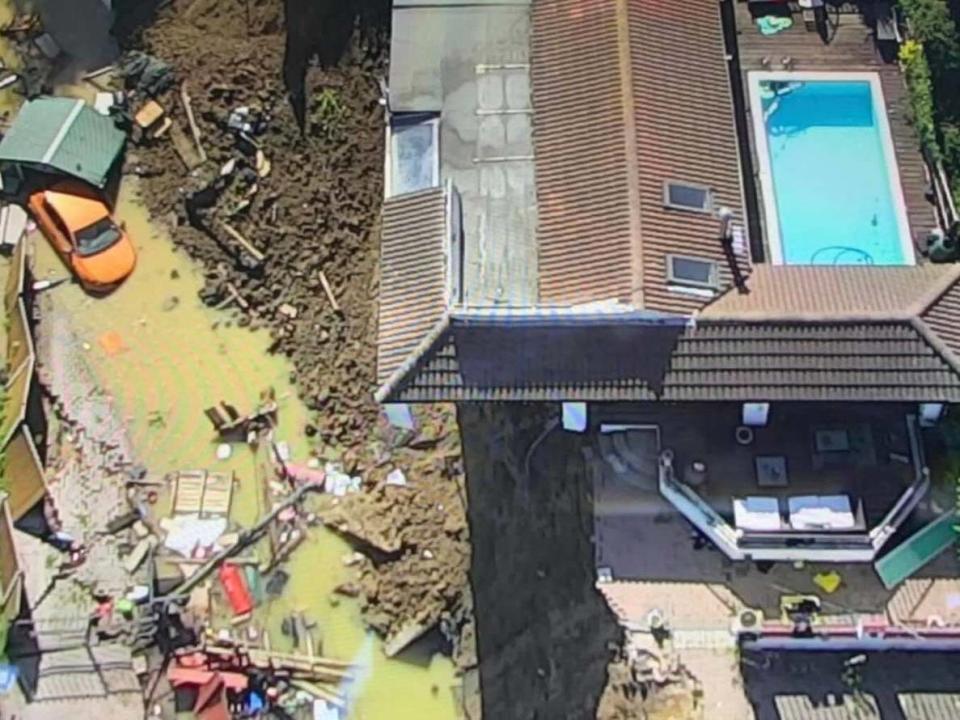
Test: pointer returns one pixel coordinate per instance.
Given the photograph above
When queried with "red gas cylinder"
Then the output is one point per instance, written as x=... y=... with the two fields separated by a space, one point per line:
x=235 y=586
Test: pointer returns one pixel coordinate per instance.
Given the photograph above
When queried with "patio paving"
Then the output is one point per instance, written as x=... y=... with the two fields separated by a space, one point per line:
x=640 y=536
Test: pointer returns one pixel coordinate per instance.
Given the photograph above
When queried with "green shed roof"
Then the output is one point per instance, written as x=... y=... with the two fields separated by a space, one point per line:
x=66 y=135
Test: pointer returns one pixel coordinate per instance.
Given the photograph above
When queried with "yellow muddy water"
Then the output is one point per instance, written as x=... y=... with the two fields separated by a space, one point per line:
x=178 y=357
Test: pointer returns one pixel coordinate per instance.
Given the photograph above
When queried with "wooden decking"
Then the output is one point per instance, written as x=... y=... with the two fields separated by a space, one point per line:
x=850 y=48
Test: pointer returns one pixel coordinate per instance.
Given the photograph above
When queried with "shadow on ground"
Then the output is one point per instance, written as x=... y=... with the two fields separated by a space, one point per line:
x=544 y=634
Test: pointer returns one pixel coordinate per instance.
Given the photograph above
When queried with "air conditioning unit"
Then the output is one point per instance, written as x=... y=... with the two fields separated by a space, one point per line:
x=941 y=247
x=747 y=622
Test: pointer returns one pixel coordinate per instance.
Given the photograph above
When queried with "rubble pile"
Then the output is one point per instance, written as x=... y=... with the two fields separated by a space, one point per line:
x=647 y=684
x=412 y=576
x=285 y=226
x=284 y=223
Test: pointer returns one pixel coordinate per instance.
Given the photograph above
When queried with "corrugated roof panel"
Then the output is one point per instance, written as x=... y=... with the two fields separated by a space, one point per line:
x=929 y=706
x=64 y=134
x=850 y=707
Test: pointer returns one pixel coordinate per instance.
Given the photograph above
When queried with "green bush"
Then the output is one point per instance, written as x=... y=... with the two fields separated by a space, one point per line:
x=934 y=82
x=931 y=24
x=950 y=132
x=920 y=87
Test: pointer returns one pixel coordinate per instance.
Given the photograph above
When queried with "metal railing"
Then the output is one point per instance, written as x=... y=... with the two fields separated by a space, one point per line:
x=788 y=544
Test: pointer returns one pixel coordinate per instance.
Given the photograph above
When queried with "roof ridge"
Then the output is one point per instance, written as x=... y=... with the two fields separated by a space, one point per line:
x=937 y=290
x=768 y=316
x=936 y=342
x=628 y=102
x=392 y=383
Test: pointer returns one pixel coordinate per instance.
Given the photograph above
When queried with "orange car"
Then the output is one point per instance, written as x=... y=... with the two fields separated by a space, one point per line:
x=83 y=232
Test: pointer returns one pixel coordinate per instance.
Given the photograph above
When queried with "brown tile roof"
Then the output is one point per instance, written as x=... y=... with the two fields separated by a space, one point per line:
x=480 y=359
x=628 y=94
x=412 y=275
x=587 y=215
x=862 y=706
x=808 y=292
x=942 y=317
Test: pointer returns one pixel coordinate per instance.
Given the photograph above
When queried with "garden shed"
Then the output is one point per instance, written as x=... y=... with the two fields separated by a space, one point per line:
x=63 y=136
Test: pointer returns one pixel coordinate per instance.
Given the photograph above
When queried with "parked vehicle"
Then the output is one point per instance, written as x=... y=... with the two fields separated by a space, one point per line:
x=83 y=232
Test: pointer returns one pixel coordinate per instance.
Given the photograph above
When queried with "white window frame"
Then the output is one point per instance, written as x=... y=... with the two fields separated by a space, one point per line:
x=706 y=209
x=672 y=279
x=430 y=119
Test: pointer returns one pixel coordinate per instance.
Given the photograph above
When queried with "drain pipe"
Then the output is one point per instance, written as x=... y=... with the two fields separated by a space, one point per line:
x=748 y=180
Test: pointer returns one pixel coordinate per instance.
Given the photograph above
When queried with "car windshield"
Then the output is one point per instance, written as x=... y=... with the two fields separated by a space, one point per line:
x=99 y=236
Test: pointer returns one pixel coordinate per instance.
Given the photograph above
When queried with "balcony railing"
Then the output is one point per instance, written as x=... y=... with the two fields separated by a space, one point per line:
x=788 y=545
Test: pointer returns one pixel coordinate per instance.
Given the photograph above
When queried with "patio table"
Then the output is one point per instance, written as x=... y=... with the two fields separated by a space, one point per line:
x=771 y=470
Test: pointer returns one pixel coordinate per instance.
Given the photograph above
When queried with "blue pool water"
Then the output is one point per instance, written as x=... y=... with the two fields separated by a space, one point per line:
x=831 y=182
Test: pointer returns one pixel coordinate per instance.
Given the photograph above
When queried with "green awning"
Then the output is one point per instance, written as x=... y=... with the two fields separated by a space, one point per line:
x=63 y=135
x=917 y=550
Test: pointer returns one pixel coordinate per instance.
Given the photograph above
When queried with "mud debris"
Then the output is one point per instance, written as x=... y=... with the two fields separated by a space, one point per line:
x=285 y=223
x=313 y=216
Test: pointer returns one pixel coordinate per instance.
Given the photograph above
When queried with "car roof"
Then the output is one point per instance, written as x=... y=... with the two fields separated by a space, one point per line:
x=76 y=211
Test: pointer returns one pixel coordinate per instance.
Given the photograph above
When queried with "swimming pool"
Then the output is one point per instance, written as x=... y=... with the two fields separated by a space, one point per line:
x=828 y=173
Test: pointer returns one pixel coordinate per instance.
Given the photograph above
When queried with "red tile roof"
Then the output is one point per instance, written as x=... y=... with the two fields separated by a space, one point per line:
x=942 y=318
x=827 y=292
x=628 y=94
x=412 y=275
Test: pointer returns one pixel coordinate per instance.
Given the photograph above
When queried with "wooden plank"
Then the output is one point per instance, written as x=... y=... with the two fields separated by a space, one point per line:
x=187 y=498
x=218 y=492
x=329 y=291
x=184 y=148
x=194 y=128
x=247 y=245
x=149 y=114
x=320 y=692
x=13 y=224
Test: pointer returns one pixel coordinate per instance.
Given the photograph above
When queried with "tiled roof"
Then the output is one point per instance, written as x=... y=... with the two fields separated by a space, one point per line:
x=588 y=216
x=942 y=317
x=545 y=358
x=412 y=275
x=801 y=707
x=834 y=292
x=880 y=361
x=929 y=705
x=628 y=94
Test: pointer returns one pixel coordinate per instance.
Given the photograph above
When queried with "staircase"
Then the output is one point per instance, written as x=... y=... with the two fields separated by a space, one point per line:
x=631 y=455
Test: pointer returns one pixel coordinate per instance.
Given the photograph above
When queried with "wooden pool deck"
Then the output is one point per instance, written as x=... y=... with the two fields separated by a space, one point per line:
x=849 y=47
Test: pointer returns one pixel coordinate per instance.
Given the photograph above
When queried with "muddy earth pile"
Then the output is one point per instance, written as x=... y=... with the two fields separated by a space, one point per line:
x=307 y=201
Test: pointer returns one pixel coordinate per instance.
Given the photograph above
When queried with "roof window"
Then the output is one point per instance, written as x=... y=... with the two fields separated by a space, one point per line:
x=687 y=196
x=413 y=154
x=692 y=272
